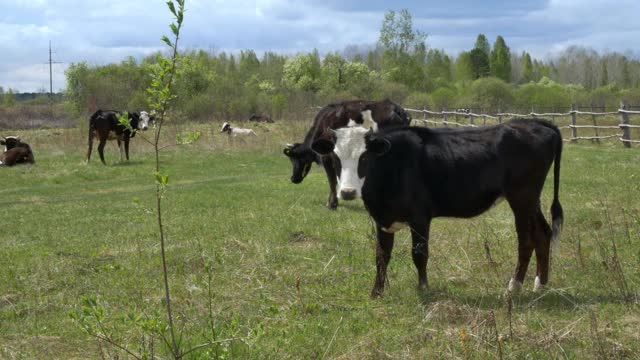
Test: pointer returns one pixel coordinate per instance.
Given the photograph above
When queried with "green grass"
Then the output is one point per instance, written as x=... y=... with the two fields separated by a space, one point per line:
x=291 y=278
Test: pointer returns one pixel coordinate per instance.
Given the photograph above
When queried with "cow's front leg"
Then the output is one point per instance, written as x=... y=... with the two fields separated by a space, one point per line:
x=383 y=255
x=327 y=163
x=420 y=250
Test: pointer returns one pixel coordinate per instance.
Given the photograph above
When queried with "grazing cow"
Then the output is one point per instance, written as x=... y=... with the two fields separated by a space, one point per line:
x=231 y=131
x=260 y=118
x=334 y=116
x=15 y=152
x=416 y=174
x=104 y=125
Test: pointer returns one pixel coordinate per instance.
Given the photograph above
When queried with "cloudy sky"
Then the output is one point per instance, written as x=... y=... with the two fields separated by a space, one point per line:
x=101 y=31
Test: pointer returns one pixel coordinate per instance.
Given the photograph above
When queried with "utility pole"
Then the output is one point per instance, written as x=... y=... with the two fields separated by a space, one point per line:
x=51 y=62
x=50 y=73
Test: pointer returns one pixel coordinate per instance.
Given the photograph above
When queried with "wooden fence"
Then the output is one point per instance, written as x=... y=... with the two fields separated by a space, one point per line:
x=608 y=128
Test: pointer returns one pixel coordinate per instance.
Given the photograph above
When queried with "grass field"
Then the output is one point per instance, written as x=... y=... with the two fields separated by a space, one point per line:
x=258 y=259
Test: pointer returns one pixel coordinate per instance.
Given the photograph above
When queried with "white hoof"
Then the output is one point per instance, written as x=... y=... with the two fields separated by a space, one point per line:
x=537 y=285
x=514 y=286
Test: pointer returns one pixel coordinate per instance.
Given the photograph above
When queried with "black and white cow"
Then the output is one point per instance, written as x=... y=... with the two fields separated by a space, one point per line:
x=15 y=152
x=338 y=115
x=104 y=125
x=234 y=131
x=413 y=175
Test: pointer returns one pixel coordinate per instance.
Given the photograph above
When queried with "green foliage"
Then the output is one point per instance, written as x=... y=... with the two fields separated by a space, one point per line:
x=479 y=63
x=397 y=34
x=302 y=72
x=489 y=93
x=443 y=98
x=8 y=98
x=545 y=93
x=527 y=68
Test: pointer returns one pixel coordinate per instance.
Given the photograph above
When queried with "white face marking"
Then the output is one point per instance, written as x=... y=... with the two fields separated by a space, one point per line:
x=395 y=227
x=349 y=147
x=144 y=121
x=366 y=115
x=224 y=127
x=514 y=286
x=352 y=123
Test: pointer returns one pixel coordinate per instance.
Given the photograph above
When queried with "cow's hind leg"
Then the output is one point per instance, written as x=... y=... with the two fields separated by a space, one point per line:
x=126 y=148
x=542 y=237
x=101 y=145
x=383 y=256
x=121 y=148
x=89 y=150
x=525 y=224
x=327 y=163
x=420 y=251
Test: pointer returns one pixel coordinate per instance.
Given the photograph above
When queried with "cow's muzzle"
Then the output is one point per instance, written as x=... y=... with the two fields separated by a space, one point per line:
x=349 y=194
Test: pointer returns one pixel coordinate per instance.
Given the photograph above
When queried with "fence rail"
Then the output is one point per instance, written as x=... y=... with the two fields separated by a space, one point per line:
x=451 y=118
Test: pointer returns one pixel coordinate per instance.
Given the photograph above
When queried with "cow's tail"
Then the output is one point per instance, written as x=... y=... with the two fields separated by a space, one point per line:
x=557 y=215
x=92 y=121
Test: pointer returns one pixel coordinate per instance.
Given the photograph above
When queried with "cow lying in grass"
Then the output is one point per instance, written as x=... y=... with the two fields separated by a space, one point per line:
x=232 y=131
x=412 y=175
x=15 y=152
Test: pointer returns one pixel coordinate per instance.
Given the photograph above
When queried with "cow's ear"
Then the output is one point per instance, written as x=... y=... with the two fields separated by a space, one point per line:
x=322 y=146
x=378 y=146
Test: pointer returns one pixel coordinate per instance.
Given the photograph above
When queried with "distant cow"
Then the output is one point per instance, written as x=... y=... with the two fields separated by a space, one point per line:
x=260 y=118
x=104 y=125
x=416 y=174
x=15 y=152
x=334 y=116
x=232 y=131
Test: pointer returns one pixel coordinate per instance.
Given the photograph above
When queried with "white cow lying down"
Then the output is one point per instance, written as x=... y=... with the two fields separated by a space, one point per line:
x=226 y=127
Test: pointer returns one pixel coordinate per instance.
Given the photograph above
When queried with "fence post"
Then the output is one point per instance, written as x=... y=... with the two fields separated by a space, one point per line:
x=626 y=131
x=471 y=119
x=574 y=130
x=533 y=111
x=424 y=116
x=595 y=123
x=445 y=117
x=499 y=116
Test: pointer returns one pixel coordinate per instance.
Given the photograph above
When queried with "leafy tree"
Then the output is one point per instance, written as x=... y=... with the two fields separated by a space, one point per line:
x=527 y=68
x=500 y=60
x=483 y=44
x=443 y=98
x=604 y=74
x=302 y=72
x=397 y=34
x=404 y=50
x=9 y=98
x=479 y=63
x=490 y=93
x=463 y=69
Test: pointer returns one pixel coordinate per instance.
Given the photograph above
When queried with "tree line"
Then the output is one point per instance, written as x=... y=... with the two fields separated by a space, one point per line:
x=400 y=66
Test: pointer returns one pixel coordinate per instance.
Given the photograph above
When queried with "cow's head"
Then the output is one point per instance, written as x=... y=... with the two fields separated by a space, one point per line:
x=385 y=112
x=226 y=127
x=301 y=158
x=10 y=142
x=145 y=119
x=348 y=146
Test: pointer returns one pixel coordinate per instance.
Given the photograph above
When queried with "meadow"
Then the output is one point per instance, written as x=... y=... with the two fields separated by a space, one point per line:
x=261 y=261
